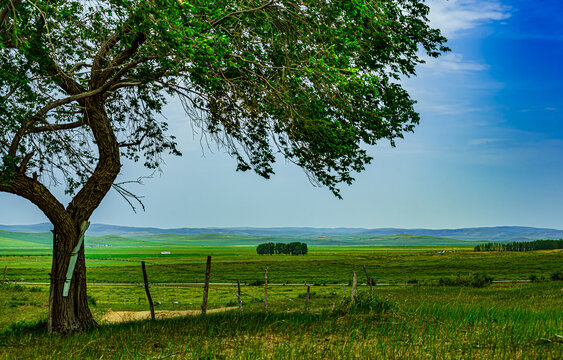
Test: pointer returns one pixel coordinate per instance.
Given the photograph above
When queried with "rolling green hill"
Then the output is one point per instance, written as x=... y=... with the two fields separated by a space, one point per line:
x=33 y=240
x=8 y=243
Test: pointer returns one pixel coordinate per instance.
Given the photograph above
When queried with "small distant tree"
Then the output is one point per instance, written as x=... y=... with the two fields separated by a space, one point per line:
x=293 y=248
x=281 y=248
x=302 y=249
x=83 y=84
x=266 y=249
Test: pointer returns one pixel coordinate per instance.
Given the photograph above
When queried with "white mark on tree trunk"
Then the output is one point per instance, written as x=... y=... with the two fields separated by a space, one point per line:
x=73 y=257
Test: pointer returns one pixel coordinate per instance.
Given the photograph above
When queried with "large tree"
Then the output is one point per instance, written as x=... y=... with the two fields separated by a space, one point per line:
x=83 y=83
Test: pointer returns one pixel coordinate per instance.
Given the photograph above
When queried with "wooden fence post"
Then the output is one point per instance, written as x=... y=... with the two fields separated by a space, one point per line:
x=369 y=280
x=355 y=285
x=5 y=270
x=307 y=298
x=239 y=299
x=206 y=286
x=344 y=289
x=266 y=292
x=147 y=289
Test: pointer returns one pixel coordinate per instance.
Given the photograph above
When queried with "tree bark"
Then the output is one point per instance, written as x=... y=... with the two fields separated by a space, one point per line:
x=68 y=314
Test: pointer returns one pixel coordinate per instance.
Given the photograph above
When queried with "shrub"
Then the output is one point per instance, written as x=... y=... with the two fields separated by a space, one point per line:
x=477 y=280
x=480 y=280
x=256 y=283
x=558 y=275
x=412 y=281
x=363 y=302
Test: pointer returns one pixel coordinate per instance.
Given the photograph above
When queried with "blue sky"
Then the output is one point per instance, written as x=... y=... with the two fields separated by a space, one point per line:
x=488 y=151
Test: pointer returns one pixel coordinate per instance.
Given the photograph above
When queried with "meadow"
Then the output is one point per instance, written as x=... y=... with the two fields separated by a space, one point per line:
x=421 y=320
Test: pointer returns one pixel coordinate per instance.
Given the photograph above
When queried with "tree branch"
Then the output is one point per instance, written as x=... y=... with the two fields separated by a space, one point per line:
x=6 y=10
x=133 y=143
x=23 y=165
x=24 y=186
x=120 y=58
x=234 y=13
x=41 y=113
x=55 y=127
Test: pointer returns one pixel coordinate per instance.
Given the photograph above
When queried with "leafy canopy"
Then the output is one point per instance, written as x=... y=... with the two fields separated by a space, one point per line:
x=315 y=80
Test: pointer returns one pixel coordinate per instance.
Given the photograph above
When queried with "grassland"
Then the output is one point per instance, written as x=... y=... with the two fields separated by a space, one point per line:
x=506 y=322
x=501 y=321
x=324 y=265
x=44 y=240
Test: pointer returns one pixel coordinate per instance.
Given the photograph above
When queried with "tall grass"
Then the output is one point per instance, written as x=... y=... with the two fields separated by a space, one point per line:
x=411 y=323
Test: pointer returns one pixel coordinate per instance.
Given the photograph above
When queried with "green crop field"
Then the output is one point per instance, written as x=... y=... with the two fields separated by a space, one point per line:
x=422 y=320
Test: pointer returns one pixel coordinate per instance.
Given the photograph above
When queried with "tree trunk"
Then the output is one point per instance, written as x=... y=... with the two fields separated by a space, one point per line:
x=71 y=313
x=68 y=314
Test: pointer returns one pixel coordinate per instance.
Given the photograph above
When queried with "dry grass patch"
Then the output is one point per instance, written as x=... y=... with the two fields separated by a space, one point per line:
x=112 y=317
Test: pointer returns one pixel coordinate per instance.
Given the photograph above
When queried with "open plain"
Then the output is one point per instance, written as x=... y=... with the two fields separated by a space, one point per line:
x=420 y=307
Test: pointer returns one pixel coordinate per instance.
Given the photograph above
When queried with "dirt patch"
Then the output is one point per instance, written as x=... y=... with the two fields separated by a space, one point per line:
x=124 y=316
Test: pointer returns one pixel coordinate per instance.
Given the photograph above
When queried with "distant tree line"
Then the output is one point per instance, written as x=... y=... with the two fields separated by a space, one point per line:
x=294 y=248
x=521 y=245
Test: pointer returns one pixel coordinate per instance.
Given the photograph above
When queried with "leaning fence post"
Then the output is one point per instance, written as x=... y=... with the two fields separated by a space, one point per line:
x=239 y=299
x=4 y=279
x=206 y=286
x=355 y=285
x=147 y=289
x=266 y=292
x=369 y=280
x=307 y=298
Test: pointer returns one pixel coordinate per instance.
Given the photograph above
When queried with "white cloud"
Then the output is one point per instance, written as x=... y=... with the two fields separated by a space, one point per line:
x=452 y=62
x=454 y=16
x=484 y=141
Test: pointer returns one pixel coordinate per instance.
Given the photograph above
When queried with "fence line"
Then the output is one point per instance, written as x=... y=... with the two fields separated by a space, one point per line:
x=246 y=284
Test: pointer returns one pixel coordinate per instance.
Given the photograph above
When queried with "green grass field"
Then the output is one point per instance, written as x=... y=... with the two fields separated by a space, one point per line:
x=503 y=320
x=324 y=265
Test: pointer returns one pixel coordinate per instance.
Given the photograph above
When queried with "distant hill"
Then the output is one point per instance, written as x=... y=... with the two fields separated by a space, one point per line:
x=19 y=240
x=479 y=234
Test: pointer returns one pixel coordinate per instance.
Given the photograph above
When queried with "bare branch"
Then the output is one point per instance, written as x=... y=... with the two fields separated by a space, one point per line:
x=120 y=58
x=24 y=163
x=55 y=127
x=134 y=143
x=41 y=113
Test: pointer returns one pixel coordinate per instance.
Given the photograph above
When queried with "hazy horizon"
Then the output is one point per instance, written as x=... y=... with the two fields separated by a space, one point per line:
x=297 y=227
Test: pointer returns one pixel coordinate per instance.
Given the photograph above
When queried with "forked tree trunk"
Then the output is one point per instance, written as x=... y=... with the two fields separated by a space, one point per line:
x=70 y=313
